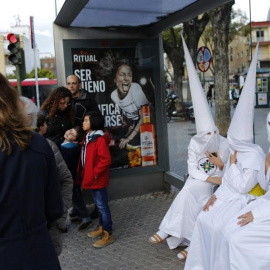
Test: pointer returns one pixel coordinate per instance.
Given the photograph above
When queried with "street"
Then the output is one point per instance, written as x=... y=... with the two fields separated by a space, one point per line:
x=180 y=132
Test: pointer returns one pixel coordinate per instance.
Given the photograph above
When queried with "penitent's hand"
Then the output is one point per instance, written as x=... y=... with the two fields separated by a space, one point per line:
x=233 y=158
x=210 y=202
x=245 y=219
x=216 y=160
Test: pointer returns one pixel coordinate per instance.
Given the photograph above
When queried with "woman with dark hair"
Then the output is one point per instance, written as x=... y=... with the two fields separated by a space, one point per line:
x=30 y=198
x=58 y=110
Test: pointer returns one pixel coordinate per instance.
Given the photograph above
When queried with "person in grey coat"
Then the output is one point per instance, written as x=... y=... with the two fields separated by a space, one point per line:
x=66 y=184
x=64 y=177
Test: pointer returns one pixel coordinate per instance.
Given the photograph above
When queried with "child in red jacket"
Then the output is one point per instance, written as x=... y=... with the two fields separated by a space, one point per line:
x=94 y=173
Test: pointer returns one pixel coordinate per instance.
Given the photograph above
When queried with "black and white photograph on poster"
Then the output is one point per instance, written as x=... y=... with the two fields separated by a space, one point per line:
x=124 y=91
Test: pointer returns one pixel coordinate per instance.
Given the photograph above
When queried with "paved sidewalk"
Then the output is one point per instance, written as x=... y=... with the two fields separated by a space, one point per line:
x=180 y=133
x=135 y=220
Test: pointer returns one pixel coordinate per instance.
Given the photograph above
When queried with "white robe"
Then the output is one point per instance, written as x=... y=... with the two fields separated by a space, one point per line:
x=180 y=219
x=247 y=247
x=232 y=196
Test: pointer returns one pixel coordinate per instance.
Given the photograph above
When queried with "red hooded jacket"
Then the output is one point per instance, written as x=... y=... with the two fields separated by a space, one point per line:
x=95 y=173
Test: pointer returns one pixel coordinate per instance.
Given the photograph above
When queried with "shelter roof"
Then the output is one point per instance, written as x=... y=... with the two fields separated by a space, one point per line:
x=148 y=16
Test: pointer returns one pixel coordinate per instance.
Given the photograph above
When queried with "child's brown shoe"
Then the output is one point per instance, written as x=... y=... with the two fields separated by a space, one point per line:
x=104 y=241
x=97 y=232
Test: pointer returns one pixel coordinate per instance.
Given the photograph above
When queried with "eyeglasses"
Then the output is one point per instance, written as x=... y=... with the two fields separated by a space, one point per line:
x=65 y=103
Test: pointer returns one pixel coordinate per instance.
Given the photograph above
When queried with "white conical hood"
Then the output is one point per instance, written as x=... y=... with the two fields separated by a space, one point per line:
x=240 y=133
x=241 y=126
x=203 y=117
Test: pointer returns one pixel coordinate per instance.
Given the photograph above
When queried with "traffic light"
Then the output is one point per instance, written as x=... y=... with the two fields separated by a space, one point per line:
x=14 y=47
x=16 y=57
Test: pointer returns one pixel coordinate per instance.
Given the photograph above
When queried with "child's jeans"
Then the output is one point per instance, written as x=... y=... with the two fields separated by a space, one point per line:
x=101 y=200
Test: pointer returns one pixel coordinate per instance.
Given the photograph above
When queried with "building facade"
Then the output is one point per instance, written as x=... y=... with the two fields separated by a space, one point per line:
x=48 y=63
x=242 y=48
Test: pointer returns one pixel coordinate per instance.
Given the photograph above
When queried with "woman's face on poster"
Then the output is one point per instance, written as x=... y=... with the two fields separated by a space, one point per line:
x=123 y=80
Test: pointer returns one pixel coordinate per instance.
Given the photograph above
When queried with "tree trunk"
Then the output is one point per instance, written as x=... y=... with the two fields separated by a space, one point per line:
x=193 y=30
x=220 y=19
x=175 y=53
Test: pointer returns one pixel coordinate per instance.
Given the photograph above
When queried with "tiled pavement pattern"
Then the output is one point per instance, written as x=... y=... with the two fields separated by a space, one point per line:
x=137 y=218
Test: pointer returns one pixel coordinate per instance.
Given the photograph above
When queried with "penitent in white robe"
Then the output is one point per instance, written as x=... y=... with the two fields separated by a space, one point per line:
x=247 y=247
x=232 y=196
x=180 y=219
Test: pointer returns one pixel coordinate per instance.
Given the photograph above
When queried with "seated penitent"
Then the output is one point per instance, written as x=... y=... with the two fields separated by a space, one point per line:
x=244 y=169
x=207 y=152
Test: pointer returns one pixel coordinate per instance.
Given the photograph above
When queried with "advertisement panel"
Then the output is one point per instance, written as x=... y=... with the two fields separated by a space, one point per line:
x=121 y=81
x=262 y=99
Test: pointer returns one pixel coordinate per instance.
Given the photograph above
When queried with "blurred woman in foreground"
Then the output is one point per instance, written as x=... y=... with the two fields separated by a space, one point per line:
x=30 y=199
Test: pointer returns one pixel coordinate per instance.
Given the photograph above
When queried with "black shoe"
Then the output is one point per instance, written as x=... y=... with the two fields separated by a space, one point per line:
x=73 y=214
x=95 y=213
x=64 y=230
x=76 y=219
x=84 y=226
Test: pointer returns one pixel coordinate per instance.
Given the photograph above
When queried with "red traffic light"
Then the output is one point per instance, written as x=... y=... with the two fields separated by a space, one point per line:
x=14 y=47
x=12 y=38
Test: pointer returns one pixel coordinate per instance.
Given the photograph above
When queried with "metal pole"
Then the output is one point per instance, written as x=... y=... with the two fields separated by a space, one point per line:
x=250 y=31
x=55 y=7
x=251 y=57
x=19 y=79
x=195 y=43
x=36 y=76
x=35 y=57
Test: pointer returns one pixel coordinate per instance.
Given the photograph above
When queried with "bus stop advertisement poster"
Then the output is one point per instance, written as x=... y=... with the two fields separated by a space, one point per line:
x=121 y=84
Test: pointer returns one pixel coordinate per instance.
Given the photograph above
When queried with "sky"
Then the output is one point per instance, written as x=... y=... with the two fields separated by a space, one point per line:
x=44 y=13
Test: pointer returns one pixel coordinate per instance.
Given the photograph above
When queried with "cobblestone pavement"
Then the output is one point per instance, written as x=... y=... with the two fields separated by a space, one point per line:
x=137 y=218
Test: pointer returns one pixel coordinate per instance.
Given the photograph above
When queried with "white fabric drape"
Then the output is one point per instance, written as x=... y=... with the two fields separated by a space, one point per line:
x=247 y=247
x=204 y=242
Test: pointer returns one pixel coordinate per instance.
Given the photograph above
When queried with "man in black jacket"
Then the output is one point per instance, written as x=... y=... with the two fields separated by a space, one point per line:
x=83 y=102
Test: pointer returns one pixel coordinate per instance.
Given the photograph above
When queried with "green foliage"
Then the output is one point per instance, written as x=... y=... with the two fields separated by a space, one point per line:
x=238 y=24
x=207 y=35
x=42 y=73
x=167 y=37
x=11 y=76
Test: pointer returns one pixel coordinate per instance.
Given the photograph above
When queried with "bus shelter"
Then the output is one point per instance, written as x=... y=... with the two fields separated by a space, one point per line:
x=91 y=37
